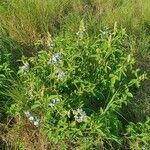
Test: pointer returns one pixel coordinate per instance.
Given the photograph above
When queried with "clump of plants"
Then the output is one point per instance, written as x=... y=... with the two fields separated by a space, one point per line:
x=139 y=135
x=73 y=89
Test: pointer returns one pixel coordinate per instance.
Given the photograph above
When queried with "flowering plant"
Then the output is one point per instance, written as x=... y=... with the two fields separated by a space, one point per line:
x=73 y=90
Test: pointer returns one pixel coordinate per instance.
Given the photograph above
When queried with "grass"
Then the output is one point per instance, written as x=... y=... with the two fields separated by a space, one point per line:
x=26 y=21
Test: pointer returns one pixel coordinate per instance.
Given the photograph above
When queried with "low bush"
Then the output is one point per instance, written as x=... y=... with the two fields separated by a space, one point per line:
x=73 y=89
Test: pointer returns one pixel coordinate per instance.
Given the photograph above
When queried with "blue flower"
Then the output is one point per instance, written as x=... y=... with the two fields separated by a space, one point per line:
x=105 y=30
x=56 y=58
x=32 y=119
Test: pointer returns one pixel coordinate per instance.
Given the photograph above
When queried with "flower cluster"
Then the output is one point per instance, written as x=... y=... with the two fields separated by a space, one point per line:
x=32 y=119
x=56 y=58
x=54 y=102
x=105 y=30
x=80 y=115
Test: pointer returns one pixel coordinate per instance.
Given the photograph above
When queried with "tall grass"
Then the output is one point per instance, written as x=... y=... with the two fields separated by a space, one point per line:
x=26 y=21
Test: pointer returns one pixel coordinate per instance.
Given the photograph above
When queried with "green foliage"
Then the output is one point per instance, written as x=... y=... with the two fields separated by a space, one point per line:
x=5 y=70
x=5 y=73
x=74 y=89
x=139 y=135
x=77 y=88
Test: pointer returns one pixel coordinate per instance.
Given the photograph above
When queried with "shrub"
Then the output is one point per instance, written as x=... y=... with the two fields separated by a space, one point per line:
x=73 y=90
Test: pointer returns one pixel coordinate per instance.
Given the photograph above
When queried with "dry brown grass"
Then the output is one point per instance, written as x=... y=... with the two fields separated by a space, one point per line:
x=22 y=135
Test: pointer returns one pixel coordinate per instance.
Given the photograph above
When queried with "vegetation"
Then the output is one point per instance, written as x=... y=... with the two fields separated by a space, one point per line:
x=74 y=74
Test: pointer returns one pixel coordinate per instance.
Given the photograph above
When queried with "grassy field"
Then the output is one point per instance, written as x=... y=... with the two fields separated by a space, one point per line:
x=74 y=73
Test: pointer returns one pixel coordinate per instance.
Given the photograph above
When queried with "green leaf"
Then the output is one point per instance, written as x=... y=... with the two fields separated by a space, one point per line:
x=36 y=105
